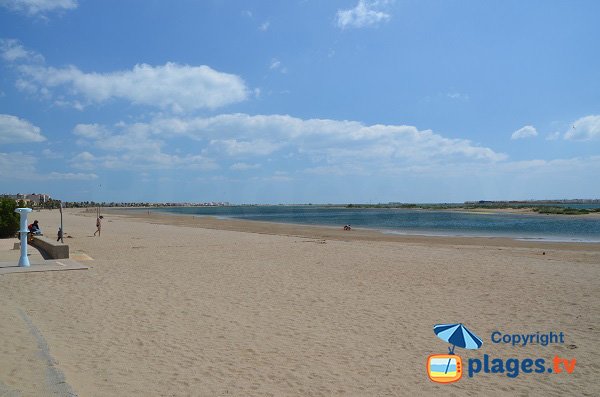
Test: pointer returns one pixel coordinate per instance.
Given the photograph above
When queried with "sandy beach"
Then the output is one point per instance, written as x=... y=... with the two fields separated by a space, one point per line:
x=182 y=306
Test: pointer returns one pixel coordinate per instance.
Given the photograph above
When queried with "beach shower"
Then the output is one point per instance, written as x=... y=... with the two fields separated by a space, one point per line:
x=23 y=260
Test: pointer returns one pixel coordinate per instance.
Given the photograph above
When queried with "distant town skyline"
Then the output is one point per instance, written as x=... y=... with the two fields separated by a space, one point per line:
x=346 y=101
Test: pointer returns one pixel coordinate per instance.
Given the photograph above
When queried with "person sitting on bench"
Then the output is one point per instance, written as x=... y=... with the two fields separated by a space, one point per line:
x=34 y=228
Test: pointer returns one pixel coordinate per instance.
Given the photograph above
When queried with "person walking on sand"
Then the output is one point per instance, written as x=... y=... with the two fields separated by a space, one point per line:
x=98 y=225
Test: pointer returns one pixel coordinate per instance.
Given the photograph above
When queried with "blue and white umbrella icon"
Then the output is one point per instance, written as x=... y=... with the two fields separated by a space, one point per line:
x=457 y=335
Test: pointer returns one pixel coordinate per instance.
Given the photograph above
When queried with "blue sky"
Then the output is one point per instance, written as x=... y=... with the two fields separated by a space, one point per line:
x=300 y=101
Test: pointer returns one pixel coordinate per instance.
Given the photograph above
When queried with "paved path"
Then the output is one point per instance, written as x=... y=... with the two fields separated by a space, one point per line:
x=9 y=259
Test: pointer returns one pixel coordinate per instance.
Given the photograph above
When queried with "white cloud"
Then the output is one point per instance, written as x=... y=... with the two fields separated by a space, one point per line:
x=234 y=147
x=553 y=166
x=84 y=161
x=72 y=176
x=16 y=165
x=525 y=132
x=92 y=131
x=12 y=50
x=26 y=86
x=305 y=148
x=553 y=136
x=131 y=146
x=172 y=86
x=457 y=96
x=244 y=167
x=120 y=138
x=276 y=178
x=337 y=170
x=242 y=142
x=16 y=130
x=36 y=7
x=145 y=162
x=264 y=26
x=275 y=63
x=50 y=154
x=366 y=13
x=585 y=129
x=83 y=157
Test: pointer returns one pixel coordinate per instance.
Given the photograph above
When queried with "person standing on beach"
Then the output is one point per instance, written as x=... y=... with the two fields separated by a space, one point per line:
x=98 y=225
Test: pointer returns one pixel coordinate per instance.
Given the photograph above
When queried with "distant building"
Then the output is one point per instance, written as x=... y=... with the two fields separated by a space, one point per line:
x=34 y=198
x=38 y=198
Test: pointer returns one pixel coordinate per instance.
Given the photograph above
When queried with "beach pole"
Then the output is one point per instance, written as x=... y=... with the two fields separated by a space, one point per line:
x=23 y=260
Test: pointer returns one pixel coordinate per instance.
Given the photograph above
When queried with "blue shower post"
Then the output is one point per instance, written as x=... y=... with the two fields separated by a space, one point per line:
x=23 y=260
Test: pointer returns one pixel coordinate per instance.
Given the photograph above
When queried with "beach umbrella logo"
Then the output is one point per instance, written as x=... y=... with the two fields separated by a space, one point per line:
x=457 y=335
x=447 y=368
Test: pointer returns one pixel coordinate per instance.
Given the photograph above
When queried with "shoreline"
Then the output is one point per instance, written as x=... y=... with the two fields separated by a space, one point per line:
x=477 y=210
x=337 y=233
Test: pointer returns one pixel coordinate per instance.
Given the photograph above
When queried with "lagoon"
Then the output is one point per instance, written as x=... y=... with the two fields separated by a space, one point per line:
x=415 y=221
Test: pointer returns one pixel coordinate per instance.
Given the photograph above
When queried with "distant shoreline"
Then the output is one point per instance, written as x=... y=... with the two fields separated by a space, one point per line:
x=433 y=207
x=337 y=233
x=541 y=207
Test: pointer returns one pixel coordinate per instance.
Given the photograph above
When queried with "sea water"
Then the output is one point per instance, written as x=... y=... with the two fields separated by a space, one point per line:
x=574 y=228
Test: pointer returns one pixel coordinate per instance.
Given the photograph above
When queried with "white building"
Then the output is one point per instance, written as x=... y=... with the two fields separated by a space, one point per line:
x=37 y=198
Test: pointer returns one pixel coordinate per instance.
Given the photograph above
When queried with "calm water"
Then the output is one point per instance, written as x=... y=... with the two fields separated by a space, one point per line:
x=412 y=221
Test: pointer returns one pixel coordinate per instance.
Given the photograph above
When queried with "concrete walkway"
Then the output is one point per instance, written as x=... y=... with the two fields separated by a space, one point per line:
x=9 y=259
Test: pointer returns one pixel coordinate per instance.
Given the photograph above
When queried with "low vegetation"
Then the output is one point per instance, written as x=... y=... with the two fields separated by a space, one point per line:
x=565 y=210
x=9 y=219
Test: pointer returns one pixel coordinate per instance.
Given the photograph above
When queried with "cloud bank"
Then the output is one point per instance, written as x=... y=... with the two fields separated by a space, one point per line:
x=234 y=141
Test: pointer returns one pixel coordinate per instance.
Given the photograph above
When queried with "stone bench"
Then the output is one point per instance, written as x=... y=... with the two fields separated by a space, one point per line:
x=54 y=249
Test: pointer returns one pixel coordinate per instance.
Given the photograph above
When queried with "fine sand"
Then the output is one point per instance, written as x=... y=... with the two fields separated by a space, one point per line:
x=176 y=305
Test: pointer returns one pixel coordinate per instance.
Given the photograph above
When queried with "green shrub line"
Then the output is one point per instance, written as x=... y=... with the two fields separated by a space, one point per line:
x=564 y=210
x=9 y=219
